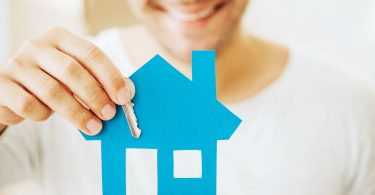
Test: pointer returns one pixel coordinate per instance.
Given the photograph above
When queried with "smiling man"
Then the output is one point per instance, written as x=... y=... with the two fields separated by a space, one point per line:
x=308 y=127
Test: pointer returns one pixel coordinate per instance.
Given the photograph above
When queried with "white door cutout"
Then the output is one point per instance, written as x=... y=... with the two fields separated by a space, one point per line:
x=141 y=172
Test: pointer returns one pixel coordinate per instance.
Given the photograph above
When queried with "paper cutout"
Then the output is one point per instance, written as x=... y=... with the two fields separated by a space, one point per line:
x=174 y=113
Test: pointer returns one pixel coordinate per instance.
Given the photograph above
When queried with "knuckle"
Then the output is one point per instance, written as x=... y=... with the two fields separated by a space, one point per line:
x=43 y=115
x=13 y=120
x=8 y=117
x=94 y=52
x=80 y=116
x=117 y=81
x=26 y=104
x=14 y=68
x=96 y=95
x=55 y=31
x=12 y=63
x=53 y=91
x=70 y=68
x=30 y=46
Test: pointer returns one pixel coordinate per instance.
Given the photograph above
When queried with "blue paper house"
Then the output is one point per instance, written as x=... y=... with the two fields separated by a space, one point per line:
x=174 y=113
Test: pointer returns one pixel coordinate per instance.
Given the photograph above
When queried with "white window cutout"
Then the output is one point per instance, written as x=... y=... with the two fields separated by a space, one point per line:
x=187 y=164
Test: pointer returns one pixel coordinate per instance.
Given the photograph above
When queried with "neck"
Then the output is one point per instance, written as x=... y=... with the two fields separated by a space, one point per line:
x=247 y=66
x=244 y=67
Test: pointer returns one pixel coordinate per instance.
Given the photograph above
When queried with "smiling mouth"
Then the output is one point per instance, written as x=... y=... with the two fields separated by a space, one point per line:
x=193 y=16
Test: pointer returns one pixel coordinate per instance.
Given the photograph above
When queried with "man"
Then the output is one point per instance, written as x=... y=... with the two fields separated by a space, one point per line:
x=308 y=128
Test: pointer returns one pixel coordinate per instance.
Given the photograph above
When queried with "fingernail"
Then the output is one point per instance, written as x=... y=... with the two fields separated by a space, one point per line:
x=123 y=96
x=94 y=126
x=108 y=111
x=130 y=86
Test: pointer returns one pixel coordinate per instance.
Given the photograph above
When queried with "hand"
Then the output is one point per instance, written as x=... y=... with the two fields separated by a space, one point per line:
x=63 y=73
x=2 y=128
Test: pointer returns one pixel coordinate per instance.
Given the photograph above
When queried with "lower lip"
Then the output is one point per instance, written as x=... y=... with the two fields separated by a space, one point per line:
x=200 y=22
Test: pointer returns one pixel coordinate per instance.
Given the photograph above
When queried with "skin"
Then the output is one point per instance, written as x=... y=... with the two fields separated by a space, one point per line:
x=246 y=64
x=63 y=73
x=42 y=76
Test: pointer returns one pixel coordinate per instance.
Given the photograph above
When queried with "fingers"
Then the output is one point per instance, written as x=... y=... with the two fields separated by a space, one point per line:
x=8 y=117
x=131 y=86
x=96 y=62
x=78 y=80
x=21 y=104
x=58 y=98
x=62 y=72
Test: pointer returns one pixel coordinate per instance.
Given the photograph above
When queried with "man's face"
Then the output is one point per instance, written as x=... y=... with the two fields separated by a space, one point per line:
x=185 y=25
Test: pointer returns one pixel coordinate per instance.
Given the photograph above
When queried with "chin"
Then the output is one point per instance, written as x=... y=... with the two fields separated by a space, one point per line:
x=198 y=25
x=182 y=48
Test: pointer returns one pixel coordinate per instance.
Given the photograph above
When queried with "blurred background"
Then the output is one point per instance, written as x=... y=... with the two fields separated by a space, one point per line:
x=340 y=31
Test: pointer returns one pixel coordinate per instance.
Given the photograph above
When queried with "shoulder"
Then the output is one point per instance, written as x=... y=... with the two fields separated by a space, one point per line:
x=328 y=79
x=321 y=90
x=344 y=101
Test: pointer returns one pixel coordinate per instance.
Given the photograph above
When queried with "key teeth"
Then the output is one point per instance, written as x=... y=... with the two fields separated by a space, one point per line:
x=132 y=120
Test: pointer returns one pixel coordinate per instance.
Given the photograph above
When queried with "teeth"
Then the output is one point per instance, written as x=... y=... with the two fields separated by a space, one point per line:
x=188 y=17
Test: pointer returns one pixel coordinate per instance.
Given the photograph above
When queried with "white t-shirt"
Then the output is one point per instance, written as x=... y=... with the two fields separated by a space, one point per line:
x=310 y=133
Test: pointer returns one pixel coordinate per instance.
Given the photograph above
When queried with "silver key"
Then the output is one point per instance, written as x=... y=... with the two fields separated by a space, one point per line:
x=132 y=119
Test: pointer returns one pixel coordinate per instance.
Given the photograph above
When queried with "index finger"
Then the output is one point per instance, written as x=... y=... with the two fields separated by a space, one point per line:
x=96 y=62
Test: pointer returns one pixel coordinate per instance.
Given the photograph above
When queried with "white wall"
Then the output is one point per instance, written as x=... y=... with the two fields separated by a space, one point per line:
x=21 y=20
x=4 y=29
x=371 y=23
x=338 y=30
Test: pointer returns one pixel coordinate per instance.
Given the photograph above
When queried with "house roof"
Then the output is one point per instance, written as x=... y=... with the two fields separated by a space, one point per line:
x=173 y=110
